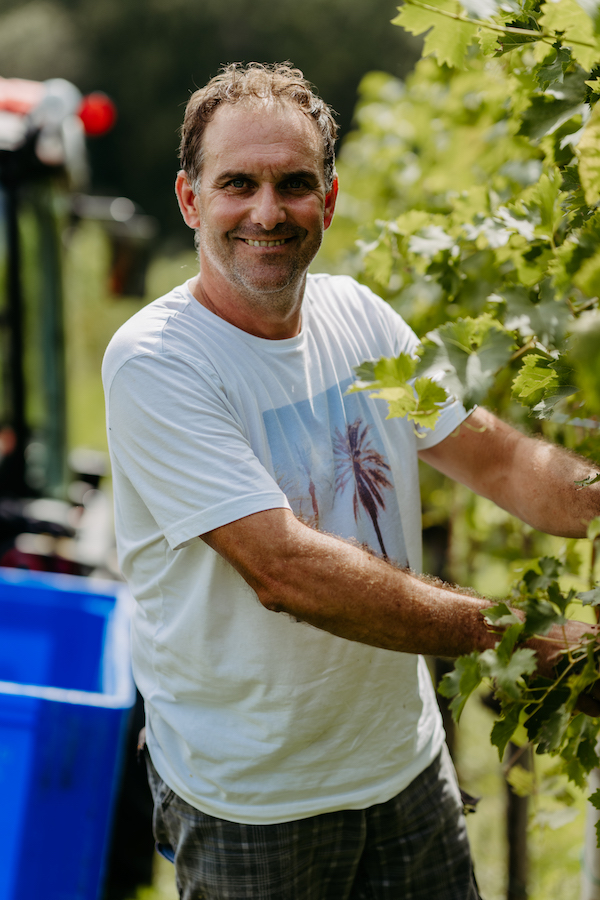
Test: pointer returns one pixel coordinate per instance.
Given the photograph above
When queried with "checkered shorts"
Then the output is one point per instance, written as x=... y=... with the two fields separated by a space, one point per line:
x=414 y=847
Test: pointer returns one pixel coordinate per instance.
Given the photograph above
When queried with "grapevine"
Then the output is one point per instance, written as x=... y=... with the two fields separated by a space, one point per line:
x=480 y=182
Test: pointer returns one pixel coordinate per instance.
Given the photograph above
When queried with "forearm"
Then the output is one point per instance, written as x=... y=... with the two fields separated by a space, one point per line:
x=530 y=478
x=339 y=588
x=547 y=495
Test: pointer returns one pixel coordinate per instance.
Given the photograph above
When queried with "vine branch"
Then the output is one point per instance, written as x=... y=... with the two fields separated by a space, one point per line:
x=546 y=37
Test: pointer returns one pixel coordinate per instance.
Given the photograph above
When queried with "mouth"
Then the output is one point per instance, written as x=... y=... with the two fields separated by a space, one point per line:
x=276 y=243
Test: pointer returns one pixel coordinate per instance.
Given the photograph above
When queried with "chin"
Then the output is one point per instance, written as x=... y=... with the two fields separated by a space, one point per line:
x=270 y=283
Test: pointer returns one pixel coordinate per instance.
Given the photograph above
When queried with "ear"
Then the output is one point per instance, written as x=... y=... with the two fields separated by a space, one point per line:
x=187 y=200
x=330 y=199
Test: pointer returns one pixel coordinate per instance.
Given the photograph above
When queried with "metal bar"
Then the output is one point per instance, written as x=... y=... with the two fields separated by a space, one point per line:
x=15 y=326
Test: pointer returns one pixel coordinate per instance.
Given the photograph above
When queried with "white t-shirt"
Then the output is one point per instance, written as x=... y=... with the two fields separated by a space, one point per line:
x=251 y=716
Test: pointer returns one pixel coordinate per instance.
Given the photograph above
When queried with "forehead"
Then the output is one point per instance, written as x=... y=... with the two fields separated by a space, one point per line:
x=261 y=134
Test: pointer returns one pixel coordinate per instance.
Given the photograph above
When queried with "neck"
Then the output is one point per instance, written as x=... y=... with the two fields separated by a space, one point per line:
x=274 y=316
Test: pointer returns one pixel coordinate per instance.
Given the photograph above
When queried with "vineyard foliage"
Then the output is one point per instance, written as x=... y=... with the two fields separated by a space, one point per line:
x=476 y=187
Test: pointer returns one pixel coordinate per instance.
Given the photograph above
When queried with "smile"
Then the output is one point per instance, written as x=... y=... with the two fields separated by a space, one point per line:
x=264 y=243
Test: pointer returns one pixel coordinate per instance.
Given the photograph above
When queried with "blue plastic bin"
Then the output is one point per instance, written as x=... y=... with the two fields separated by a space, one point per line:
x=65 y=695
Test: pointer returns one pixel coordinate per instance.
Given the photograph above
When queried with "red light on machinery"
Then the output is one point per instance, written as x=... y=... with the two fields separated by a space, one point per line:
x=98 y=113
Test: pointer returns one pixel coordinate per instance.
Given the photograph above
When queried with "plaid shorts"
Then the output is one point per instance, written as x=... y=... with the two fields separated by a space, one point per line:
x=414 y=847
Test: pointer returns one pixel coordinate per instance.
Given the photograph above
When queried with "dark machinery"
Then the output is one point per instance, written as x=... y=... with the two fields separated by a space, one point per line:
x=43 y=490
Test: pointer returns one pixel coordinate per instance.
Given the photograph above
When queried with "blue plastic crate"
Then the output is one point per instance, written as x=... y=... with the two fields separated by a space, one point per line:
x=65 y=695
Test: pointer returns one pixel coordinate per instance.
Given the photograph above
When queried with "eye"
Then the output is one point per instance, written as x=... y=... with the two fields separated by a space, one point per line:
x=237 y=183
x=295 y=184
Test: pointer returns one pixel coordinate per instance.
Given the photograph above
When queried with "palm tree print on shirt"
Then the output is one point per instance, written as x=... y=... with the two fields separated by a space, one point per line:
x=357 y=459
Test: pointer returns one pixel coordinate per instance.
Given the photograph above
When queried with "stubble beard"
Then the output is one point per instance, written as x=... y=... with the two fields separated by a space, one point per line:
x=260 y=289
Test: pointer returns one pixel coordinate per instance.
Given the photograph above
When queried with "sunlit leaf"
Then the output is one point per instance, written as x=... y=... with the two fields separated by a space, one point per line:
x=521 y=780
x=590 y=598
x=378 y=259
x=431 y=396
x=398 y=369
x=577 y=28
x=447 y=38
x=537 y=379
x=469 y=352
x=588 y=152
x=430 y=241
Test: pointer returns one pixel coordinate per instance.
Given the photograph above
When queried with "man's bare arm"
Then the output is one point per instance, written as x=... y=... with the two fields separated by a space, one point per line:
x=530 y=478
x=340 y=588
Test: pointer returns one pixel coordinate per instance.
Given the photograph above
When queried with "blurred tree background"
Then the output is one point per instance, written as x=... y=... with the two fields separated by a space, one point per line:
x=149 y=55
x=440 y=143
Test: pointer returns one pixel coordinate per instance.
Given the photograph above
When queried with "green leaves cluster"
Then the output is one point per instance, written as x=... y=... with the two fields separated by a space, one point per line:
x=475 y=189
x=481 y=178
x=541 y=710
x=417 y=399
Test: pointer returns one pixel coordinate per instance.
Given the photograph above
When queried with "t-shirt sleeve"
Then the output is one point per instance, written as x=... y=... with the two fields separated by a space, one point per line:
x=176 y=438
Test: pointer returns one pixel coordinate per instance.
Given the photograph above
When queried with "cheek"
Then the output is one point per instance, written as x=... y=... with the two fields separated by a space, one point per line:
x=309 y=212
x=221 y=214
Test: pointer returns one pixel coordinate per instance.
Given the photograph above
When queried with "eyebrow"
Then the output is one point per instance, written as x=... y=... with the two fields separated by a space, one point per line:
x=302 y=173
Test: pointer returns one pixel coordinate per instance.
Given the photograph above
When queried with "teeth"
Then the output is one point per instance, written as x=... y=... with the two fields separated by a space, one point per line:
x=265 y=243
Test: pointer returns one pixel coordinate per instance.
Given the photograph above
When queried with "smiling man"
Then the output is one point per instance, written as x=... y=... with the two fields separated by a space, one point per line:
x=297 y=756
x=259 y=210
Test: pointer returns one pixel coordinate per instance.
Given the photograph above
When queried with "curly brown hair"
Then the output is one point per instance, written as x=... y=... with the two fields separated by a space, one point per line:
x=237 y=82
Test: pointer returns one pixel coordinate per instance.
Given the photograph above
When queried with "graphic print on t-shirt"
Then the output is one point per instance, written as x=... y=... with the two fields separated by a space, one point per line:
x=329 y=460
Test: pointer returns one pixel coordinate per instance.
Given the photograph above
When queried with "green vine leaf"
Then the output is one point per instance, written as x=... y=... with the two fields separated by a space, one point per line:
x=552 y=69
x=541 y=384
x=584 y=678
x=594 y=799
x=379 y=260
x=459 y=684
x=522 y=781
x=468 y=352
x=552 y=732
x=500 y=615
x=588 y=152
x=446 y=38
x=590 y=598
x=508 y=669
x=536 y=378
x=483 y=177
x=549 y=570
x=391 y=379
x=577 y=29
x=549 y=111
x=504 y=728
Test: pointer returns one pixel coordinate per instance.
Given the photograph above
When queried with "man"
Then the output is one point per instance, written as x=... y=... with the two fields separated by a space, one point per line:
x=290 y=761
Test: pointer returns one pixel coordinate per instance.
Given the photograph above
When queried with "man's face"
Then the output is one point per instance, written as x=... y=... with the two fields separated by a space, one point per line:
x=262 y=203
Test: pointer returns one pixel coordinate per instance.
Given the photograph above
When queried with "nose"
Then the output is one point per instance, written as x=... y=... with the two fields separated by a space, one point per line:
x=268 y=209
